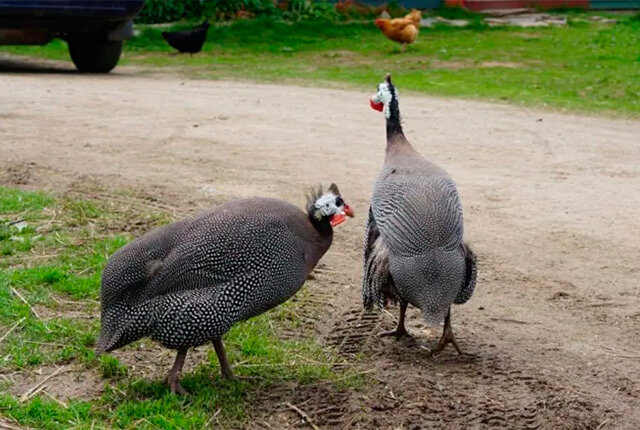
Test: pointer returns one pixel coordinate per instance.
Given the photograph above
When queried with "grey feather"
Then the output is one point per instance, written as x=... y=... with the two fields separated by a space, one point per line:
x=416 y=216
x=187 y=283
x=377 y=283
x=471 y=262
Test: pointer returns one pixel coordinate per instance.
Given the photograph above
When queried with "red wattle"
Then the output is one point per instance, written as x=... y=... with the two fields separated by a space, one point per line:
x=337 y=219
x=376 y=106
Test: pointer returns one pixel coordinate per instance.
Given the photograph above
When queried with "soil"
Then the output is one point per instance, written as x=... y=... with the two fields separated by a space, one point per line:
x=551 y=202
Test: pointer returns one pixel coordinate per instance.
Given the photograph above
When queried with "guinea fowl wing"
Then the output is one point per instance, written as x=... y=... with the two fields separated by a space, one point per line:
x=132 y=267
x=217 y=251
x=417 y=213
x=420 y=223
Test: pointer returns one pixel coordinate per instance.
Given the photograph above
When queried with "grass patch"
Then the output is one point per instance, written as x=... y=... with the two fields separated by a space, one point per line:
x=585 y=66
x=58 y=274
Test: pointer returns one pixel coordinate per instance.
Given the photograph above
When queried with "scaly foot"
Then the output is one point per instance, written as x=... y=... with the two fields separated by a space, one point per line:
x=173 y=381
x=173 y=378
x=176 y=388
x=448 y=338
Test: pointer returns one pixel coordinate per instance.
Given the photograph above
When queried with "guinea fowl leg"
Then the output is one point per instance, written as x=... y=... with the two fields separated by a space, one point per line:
x=173 y=379
x=222 y=358
x=447 y=337
x=399 y=331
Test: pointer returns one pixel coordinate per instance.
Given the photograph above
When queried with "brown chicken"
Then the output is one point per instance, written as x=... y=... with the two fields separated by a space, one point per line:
x=402 y=30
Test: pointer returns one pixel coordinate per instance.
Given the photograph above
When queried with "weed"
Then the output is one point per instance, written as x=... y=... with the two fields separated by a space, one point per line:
x=110 y=367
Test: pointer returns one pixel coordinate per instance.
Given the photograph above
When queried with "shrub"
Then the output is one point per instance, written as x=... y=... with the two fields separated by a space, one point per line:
x=155 y=11
x=311 y=10
x=159 y=11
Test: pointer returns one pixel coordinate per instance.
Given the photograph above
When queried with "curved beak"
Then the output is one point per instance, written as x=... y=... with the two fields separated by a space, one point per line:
x=348 y=211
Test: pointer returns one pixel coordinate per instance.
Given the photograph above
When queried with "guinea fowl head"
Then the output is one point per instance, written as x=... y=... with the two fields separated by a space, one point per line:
x=386 y=100
x=385 y=97
x=327 y=207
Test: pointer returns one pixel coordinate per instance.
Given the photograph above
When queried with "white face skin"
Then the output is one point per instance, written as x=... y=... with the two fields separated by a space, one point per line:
x=384 y=96
x=326 y=206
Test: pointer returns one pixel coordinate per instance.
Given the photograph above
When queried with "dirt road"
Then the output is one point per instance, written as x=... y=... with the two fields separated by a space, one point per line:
x=552 y=204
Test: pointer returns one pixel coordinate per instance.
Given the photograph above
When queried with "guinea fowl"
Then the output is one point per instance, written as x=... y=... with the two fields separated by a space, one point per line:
x=187 y=41
x=186 y=284
x=414 y=252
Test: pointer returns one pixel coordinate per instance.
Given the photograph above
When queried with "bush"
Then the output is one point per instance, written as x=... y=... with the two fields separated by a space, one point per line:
x=155 y=11
x=158 y=11
x=110 y=367
x=227 y=9
x=311 y=10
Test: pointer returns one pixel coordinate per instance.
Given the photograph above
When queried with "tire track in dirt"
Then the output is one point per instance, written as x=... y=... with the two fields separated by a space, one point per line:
x=492 y=391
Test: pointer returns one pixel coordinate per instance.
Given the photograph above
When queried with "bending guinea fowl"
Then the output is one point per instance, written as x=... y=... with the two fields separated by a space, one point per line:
x=186 y=284
x=414 y=251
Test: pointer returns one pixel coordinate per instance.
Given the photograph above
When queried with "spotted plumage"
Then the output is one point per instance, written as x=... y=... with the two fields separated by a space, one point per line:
x=187 y=283
x=414 y=249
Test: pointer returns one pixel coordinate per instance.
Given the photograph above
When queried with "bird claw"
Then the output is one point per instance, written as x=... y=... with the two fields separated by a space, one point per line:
x=229 y=377
x=448 y=338
x=174 y=385
x=178 y=389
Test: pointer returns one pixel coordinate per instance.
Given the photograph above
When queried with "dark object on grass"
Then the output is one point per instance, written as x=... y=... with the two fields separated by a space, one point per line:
x=186 y=284
x=187 y=41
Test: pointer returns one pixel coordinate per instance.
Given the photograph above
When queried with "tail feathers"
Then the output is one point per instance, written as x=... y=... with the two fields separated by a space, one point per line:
x=377 y=281
x=107 y=342
x=470 y=276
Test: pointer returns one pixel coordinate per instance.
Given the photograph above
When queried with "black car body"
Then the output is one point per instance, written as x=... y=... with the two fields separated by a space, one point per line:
x=94 y=29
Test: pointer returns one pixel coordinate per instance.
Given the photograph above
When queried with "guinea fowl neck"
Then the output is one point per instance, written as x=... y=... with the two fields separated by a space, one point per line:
x=395 y=135
x=396 y=141
x=322 y=226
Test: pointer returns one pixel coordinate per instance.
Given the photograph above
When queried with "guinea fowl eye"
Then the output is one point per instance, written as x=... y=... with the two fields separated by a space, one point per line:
x=339 y=201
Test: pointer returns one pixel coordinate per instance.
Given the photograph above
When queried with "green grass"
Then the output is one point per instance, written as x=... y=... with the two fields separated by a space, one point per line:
x=53 y=258
x=585 y=66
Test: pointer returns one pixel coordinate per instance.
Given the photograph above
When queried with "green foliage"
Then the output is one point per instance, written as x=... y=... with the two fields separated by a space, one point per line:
x=155 y=11
x=228 y=9
x=110 y=367
x=584 y=66
x=476 y=20
x=591 y=67
x=311 y=10
x=395 y=9
x=14 y=201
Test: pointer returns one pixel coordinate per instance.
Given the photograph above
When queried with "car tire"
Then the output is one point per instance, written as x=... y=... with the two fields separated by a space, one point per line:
x=94 y=56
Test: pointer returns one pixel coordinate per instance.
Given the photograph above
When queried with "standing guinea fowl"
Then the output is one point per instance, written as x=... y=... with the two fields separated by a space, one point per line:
x=187 y=41
x=186 y=284
x=414 y=253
